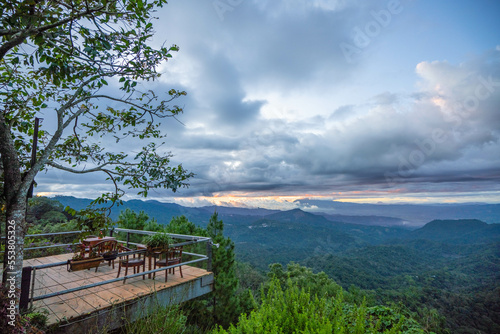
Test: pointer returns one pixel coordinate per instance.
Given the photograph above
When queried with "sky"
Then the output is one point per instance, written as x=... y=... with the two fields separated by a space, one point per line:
x=357 y=101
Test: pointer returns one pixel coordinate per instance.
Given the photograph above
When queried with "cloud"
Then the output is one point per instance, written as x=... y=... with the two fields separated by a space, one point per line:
x=415 y=137
x=393 y=140
x=273 y=107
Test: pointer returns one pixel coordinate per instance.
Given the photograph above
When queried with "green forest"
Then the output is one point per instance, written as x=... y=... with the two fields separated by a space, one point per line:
x=293 y=281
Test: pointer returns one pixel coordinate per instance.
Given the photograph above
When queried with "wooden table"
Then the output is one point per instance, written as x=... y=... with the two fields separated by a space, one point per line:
x=93 y=241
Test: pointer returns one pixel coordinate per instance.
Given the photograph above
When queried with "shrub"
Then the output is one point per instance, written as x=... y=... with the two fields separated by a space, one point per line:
x=163 y=320
x=293 y=310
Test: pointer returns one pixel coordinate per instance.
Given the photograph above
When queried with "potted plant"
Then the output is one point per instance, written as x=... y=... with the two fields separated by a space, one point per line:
x=111 y=251
x=158 y=241
x=89 y=222
x=81 y=262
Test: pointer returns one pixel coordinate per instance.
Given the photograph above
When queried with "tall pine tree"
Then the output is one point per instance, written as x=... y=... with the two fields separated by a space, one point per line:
x=225 y=302
x=224 y=305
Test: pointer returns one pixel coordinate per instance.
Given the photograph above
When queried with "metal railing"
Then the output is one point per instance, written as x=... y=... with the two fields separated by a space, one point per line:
x=46 y=235
x=29 y=273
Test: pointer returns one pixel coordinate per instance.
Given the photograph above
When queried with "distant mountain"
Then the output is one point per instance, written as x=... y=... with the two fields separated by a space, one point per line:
x=299 y=216
x=462 y=231
x=289 y=235
x=162 y=212
x=370 y=220
x=73 y=202
x=416 y=213
x=294 y=235
x=227 y=211
x=403 y=215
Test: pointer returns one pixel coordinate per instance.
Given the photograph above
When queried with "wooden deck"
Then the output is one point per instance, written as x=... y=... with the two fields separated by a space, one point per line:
x=76 y=306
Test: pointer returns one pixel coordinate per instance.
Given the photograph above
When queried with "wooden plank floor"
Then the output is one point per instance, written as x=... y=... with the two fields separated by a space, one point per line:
x=70 y=305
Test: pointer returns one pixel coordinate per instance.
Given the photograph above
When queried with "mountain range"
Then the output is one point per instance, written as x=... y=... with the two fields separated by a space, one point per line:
x=429 y=257
x=414 y=214
x=409 y=216
x=295 y=234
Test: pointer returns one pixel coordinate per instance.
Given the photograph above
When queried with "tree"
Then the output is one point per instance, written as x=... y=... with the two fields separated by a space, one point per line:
x=226 y=305
x=56 y=58
x=39 y=206
x=319 y=284
x=182 y=225
x=132 y=220
x=289 y=308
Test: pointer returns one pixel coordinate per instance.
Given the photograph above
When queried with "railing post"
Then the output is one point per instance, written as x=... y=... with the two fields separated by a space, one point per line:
x=128 y=238
x=25 y=288
x=111 y=232
x=209 y=255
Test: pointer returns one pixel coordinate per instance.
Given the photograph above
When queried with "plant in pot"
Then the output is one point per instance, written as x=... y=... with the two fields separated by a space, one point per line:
x=110 y=255
x=158 y=241
x=80 y=261
x=109 y=250
x=89 y=221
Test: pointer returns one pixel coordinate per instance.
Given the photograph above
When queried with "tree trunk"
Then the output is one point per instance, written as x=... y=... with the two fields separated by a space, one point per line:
x=15 y=190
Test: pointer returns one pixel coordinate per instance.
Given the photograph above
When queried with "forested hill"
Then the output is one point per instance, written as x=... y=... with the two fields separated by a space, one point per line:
x=445 y=271
x=161 y=212
x=418 y=214
x=464 y=231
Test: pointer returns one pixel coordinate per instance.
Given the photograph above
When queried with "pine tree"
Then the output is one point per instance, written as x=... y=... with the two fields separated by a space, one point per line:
x=222 y=306
x=225 y=302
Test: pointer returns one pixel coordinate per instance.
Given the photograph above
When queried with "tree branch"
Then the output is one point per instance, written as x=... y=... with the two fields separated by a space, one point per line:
x=19 y=35
x=76 y=171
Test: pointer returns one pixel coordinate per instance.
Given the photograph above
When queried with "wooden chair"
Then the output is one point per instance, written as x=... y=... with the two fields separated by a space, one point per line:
x=108 y=249
x=134 y=262
x=167 y=258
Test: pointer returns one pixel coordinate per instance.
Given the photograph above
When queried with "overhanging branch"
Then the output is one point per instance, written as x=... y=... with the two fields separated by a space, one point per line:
x=77 y=171
x=19 y=35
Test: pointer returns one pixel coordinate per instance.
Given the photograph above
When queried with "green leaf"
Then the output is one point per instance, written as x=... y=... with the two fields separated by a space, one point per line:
x=106 y=45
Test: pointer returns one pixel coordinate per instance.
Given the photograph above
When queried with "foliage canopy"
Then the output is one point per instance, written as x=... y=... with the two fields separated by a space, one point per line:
x=80 y=65
x=56 y=59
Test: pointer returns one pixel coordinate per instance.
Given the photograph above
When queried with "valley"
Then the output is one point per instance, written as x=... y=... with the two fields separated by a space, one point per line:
x=450 y=266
